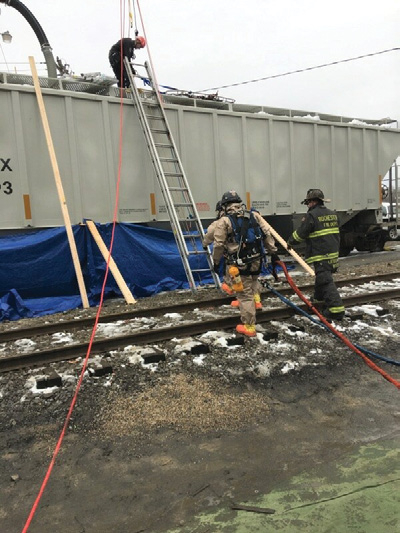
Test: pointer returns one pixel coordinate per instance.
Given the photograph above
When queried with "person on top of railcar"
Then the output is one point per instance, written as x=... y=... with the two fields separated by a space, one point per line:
x=319 y=229
x=124 y=48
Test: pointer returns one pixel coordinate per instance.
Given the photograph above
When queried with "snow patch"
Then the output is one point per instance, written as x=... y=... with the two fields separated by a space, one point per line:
x=173 y=315
x=111 y=329
x=25 y=345
x=31 y=385
x=263 y=369
x=290 y=365
x=62 y=338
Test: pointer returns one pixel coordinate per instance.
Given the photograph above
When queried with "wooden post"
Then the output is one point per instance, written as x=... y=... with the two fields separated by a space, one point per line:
x=294 y=254
x=60 y=190
x=113 y=267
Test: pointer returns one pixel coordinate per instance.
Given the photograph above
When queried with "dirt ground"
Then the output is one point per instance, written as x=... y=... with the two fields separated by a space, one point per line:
x=173 y=449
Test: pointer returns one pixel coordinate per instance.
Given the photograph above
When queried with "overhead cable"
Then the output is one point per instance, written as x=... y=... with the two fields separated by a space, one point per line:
x=300 y=70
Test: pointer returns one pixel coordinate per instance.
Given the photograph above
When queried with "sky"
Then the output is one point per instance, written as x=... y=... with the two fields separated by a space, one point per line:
x=197 y=45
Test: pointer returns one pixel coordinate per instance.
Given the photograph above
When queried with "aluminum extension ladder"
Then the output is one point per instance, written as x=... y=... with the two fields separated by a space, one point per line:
x=184 y=218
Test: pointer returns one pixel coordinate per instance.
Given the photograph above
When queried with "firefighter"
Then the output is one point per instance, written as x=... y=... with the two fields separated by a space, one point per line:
x=320 y=230
x=124 y=48
x=209 y=239
x=226 y=245
x=256 y=287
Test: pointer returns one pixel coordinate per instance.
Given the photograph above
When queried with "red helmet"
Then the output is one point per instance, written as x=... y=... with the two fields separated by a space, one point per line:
x=141 y=40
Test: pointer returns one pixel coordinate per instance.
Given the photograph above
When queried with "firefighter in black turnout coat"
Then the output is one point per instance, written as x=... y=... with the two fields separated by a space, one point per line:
x=320 y=231
x=124 y=48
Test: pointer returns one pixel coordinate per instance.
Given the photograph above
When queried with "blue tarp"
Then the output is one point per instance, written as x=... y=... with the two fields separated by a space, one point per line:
x=12 y=307
x=37 y=275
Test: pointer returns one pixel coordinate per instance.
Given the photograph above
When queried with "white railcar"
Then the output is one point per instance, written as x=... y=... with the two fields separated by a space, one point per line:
x=270 y=156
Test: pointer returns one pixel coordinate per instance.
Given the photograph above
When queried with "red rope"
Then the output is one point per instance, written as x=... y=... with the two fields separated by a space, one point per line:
x=148 y=52
x=85 y=362
x=344 y=339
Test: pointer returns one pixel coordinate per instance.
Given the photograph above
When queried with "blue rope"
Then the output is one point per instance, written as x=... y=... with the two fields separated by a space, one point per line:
x=365 y=351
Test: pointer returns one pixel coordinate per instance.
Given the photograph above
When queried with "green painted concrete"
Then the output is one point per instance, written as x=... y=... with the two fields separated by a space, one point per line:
x=359 y=494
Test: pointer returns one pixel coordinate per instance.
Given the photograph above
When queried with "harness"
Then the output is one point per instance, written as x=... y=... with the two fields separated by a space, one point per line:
x=249 y=237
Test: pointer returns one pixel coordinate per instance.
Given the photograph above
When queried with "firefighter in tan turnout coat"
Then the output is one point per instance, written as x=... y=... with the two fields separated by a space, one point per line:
x=247 y=259
x=209 y=239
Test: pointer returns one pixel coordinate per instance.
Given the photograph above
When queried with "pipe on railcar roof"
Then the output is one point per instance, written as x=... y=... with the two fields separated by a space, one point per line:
x=44 y=43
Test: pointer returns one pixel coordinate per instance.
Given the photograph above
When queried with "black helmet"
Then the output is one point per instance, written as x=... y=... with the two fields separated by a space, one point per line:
x=230 y=197
x=218 y=207
x=314 y=194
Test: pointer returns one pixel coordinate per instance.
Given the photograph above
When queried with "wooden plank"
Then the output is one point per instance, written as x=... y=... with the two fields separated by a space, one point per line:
x=60 y=189
x=123 y=287
x=294 y=254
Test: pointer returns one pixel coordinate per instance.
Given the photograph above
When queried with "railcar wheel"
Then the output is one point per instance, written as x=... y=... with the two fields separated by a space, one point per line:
x=392 y=234
x=344 y=250
x=379 y=244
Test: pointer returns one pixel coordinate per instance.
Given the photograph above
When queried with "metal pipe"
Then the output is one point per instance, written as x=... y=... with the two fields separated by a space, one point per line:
x=44 y=43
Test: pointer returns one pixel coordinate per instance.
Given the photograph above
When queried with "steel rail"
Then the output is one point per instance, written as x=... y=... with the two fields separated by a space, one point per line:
x=167 y=333
x=68 y=325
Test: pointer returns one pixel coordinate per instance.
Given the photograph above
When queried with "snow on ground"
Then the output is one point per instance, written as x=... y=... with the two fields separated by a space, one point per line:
x=299 y=342
x=287 y=357
x=62 y=338
x=24 y=345
x=121 y=327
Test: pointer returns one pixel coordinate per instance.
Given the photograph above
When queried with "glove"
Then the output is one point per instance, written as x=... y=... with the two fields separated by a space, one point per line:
x=290 y=243
x=205 y=246
x=275 y=258
x=216 y=268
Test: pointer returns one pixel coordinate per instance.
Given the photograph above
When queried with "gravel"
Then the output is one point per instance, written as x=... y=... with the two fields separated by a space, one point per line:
x=139 y=435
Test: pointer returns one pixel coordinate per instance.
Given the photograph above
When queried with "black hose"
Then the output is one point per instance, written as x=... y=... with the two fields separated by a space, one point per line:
x=44 y=42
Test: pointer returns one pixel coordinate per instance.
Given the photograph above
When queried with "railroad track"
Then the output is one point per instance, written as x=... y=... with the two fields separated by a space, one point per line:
x=70 y=325
x=151 y=336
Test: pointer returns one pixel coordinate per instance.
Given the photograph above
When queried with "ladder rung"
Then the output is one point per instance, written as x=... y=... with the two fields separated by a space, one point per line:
x=153 y=122
x=140 y=77
x=192 y=235
x=198 y=252
x=163 y=145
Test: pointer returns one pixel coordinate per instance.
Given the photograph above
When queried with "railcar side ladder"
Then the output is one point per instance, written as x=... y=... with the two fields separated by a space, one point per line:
x=184 y=218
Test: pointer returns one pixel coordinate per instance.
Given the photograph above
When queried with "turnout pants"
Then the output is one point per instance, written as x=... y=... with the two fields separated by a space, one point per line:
x=325 y=290
x=115 y=62
x=251 y=286
x=246 y=299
